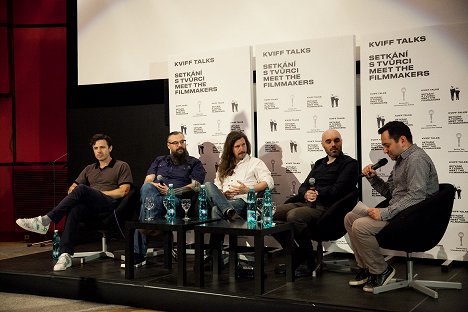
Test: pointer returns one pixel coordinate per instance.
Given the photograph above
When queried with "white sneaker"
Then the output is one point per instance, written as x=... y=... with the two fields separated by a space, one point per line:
x=63 y=262
x=33 y=225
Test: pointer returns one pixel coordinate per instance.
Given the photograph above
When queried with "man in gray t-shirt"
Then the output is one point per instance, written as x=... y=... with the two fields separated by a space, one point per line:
x=412 y=180
x=98 y=189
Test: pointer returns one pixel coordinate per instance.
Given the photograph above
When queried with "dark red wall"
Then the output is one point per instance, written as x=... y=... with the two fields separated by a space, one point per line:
x=33 y=78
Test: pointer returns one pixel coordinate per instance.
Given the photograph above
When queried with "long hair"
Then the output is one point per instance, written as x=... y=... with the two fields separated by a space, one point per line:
x=228 y=161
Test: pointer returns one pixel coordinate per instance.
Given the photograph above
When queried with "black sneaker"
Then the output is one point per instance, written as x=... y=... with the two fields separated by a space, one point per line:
x=361 y=278
x=381 y=279
x=303 y=271
x=231 y=215
x=280 y=269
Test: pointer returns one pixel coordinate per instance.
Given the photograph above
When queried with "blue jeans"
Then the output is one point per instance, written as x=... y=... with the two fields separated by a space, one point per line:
x=220 y=203
x=149 y=190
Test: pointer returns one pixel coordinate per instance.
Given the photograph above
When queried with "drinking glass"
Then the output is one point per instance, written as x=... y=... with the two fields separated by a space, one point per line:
x=165 y=204
x=259 y=205
x=273 y=210
x=186 y=206
x=149 y=205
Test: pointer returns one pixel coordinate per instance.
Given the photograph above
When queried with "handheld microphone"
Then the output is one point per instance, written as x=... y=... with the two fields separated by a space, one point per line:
x=382 y=162
x=312 y=183
x=312 y=187
x=160 y=179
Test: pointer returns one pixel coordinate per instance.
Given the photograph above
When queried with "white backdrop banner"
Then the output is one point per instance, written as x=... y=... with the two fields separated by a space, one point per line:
x=210 y=94
x=303 y=88
x=417 y=76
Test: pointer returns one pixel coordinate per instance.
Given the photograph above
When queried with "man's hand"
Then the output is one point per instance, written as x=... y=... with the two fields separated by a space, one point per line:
x=72 y=187
x=236 y=190
x=162 y=188
x=368 y=172
x=310 y=196
x=374 y=213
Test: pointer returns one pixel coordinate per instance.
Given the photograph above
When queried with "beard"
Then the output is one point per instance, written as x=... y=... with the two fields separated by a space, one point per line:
x=179 y=158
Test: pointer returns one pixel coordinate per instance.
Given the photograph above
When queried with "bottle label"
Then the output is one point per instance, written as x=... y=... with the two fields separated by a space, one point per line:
x=251 y=216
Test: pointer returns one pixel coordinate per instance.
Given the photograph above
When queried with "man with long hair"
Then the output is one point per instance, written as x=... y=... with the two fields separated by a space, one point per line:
x=237 y=172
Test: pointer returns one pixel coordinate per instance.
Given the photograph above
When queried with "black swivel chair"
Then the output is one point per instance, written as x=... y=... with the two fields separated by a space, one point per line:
x=330 y=227
x=106 y=223
x=417 y=229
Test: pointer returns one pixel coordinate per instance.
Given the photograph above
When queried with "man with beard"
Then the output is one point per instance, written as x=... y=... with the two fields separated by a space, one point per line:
x=185 y=172
x=237 y=172
x=336 y=175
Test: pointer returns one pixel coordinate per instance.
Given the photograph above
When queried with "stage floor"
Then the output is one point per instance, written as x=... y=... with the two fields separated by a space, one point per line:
x=155 y=287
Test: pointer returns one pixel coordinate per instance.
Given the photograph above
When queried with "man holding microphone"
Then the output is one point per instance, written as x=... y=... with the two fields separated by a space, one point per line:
x=331 y=178
x=413 y=179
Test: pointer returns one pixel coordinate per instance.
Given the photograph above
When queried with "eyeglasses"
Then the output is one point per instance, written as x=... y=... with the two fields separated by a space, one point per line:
x=182 y=142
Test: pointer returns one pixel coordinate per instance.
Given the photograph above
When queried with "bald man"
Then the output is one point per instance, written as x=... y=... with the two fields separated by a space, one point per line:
x=336 y=175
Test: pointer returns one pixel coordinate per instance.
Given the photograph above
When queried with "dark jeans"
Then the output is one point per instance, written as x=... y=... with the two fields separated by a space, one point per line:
x=84 y=202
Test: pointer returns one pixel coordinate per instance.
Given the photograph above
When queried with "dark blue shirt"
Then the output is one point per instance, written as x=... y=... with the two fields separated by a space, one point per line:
x=332 y=181
x=179 y=175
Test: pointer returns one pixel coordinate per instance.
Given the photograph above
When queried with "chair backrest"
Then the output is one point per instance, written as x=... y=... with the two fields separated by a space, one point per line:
x=330 y=225
x=420 y=227
x=124 y=211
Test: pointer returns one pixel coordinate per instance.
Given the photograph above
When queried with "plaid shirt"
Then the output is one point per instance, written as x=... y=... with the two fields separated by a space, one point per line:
x=413 y=179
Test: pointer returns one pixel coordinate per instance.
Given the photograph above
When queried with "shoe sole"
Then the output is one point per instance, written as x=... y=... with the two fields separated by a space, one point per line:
x=30 y=229
x=62 y=269
x=358 y=283
x=388 y=279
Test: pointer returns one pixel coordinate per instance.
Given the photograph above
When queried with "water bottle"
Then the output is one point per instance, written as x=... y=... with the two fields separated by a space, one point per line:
x=55 y=246
x=202 y=206
x=170 y=196
x=267 y=217
x=251 y=207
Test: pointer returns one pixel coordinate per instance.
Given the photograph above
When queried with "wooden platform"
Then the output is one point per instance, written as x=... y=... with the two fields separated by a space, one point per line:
x=156 y=288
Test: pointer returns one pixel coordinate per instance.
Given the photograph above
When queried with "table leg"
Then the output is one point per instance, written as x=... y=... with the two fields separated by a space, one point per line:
x=168 y=240
x=199 y=265
x=216 y=254
x=289 y=256
x=259 y=264
x=181 y=259
x=129 y=269
x=233 y=256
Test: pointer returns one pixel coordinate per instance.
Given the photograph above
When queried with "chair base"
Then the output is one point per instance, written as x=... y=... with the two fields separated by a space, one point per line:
x=92 y=255
x=342 y=266
x=419 y=285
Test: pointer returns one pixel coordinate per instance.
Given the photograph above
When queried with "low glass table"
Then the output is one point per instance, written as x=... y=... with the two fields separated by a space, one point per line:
x=235 y=229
